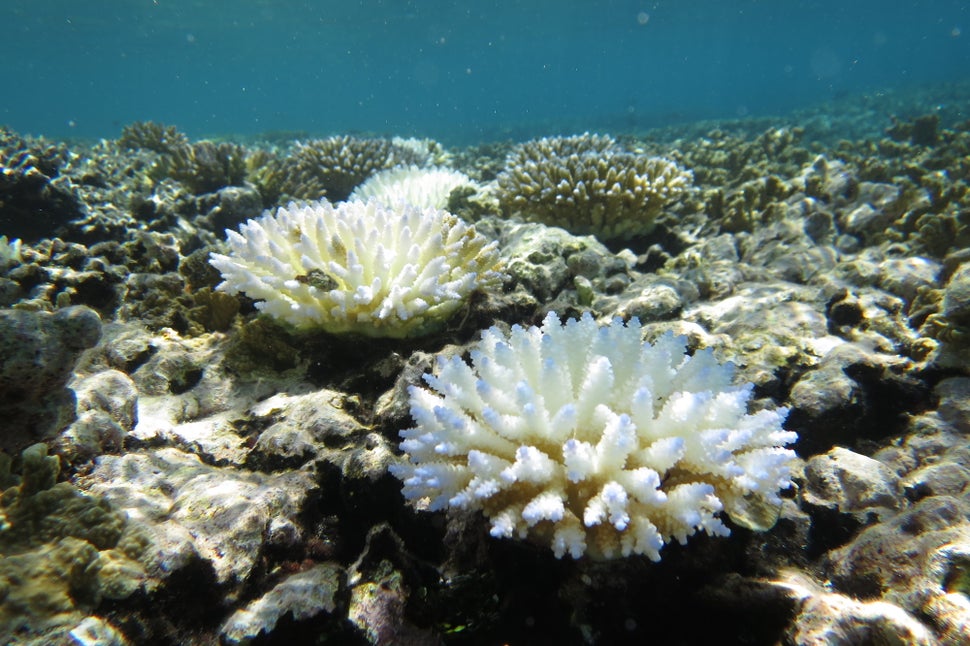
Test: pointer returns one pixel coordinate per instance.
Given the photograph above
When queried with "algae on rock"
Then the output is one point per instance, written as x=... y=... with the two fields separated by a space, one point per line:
x=61 y=551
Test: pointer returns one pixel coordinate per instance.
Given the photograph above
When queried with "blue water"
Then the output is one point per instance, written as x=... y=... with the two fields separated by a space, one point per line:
x=457 y=71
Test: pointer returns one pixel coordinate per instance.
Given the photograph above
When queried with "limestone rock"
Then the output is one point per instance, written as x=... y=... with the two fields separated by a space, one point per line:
x=302 y=596
x=39 y=351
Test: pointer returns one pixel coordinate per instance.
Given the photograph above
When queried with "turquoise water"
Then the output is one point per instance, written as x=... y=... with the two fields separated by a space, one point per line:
x=459 y=72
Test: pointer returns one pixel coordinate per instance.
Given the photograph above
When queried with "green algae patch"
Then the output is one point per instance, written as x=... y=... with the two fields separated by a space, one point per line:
x=61 y=551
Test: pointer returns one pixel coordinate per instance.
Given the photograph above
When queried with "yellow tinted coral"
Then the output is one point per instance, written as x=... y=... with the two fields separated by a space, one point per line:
x=588 y=440
x=358 y=266
x=588 y=185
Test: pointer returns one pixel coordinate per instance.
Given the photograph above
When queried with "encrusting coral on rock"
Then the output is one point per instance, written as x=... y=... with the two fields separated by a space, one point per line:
x=593 y=442
x=359 y=266
x=61 y=552
x=38 y=353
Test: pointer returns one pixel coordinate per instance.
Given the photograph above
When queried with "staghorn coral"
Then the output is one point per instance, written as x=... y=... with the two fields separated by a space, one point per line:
x=204 y=166
x=358 y=266
x=586 y=439
x=558 y=147
x=744 y=207
x=930 y=168
x=266 y=170
x=333 y=167
x=724 y=160
x=588 y=185
x=150 y=135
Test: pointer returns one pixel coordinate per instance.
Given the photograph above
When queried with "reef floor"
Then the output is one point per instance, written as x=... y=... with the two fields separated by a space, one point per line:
x=220 y=478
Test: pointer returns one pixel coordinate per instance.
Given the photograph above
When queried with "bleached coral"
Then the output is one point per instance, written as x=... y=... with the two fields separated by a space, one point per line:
x=425 y=188
x=428 y=152
x=9 y=251
x=358 y=266
x=588 y=440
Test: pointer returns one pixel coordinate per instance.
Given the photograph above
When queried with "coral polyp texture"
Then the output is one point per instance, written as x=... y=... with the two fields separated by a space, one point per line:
x=336 y=165
x=429 y=187
x=203 y=166
x=588 y=185
x=587 y=439
x=358 y=266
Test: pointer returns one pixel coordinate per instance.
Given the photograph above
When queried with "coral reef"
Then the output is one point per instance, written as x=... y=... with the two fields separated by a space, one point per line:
x=36 y=198
x=550 y=266
x=588 y=185
x=203 y=166
x=151 y=135
x=823 y=255
x=929 y=166
x=898 y=524
x=588 y=440
x=134 y=280
x=106 y=414
x=358 y=267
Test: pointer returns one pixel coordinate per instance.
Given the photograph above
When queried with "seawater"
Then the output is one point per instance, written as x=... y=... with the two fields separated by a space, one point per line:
x=461 y=72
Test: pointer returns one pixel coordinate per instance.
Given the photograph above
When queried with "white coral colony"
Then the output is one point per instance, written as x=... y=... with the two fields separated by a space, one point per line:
x=588 y=440
x=359 y=266
x=412 y=185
